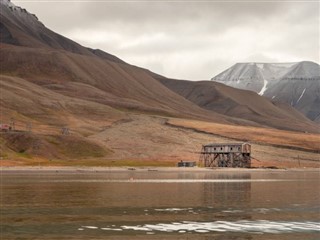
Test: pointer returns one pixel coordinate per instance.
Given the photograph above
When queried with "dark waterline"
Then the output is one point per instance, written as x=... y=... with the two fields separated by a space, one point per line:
x=160 y=205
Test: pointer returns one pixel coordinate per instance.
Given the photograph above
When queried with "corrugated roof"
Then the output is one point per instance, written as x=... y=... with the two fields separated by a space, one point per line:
x=224 y=144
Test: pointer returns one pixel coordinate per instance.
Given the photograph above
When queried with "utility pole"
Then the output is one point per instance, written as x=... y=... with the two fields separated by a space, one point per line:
x=12 y=124
x=29 y=127
x=35 y=149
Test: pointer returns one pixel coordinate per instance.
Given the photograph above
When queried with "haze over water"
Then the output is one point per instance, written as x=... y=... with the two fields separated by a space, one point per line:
x=160 y=205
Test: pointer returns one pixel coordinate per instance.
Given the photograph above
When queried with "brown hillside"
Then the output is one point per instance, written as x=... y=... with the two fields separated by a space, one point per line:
x=240 y=104
x=98 y=80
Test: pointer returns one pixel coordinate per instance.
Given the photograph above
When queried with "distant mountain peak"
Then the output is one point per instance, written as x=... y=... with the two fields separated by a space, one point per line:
x=296 y=83
x=253 y=75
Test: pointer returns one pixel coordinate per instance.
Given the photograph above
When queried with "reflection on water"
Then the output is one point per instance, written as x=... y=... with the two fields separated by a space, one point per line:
x=229 y=189
x=168 y=205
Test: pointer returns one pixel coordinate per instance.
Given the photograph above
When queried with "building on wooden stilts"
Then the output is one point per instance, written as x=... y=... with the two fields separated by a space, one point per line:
x=236 y=155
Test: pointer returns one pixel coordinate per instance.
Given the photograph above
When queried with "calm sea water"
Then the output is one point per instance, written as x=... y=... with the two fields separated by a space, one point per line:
x=160 y=205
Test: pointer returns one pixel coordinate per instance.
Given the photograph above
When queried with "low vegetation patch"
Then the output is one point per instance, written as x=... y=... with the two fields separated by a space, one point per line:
x=29 y=145
x=281 y=138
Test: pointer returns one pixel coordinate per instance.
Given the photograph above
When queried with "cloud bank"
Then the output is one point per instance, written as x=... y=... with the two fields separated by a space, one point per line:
x=188 y=39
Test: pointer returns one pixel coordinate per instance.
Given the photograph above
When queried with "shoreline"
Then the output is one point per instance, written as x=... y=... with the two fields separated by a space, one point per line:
x=144 y=169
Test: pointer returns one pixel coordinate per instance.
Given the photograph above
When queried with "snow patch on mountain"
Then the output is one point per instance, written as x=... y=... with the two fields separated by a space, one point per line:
x=260 y=65
x=301 y=95
x=264 y=88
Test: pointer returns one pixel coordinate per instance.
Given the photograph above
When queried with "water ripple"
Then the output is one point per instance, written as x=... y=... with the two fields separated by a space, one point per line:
x=260 y=226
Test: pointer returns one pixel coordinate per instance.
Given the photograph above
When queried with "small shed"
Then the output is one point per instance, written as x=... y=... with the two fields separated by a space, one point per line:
x=5 y=127
x=226 y=155
x=186 y=164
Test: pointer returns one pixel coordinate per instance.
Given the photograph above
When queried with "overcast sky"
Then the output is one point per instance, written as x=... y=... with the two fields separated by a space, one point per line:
x=193 y=40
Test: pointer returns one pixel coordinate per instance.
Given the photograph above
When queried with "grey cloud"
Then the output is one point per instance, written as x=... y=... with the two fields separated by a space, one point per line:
x=177 y=16
x=152 y=15
x=192 y=40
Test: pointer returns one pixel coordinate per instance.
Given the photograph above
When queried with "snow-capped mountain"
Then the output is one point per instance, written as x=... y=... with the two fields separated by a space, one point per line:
x=297 y=84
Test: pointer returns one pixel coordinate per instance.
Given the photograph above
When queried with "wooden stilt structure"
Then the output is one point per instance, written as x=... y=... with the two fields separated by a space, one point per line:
x=226 y=155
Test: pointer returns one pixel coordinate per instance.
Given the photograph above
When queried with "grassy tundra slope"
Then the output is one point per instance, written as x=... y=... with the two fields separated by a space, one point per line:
x=146 y=140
